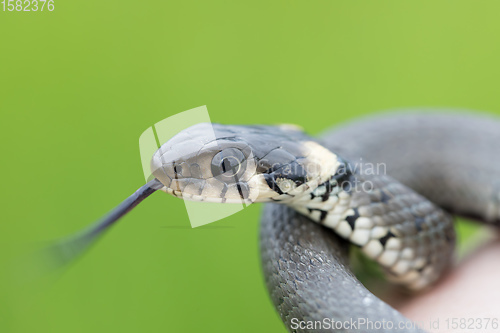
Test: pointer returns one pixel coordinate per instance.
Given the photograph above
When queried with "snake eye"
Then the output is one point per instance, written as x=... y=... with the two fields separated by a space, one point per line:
x=227 y=162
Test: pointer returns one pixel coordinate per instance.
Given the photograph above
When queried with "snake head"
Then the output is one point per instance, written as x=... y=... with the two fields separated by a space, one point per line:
x=230 y=163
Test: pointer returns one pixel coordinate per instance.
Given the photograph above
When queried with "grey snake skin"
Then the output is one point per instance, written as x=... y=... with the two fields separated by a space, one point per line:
x=452 y=158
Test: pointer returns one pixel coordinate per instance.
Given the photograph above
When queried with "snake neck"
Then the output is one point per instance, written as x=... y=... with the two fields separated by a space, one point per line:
x=391 y=223
x=331 y=203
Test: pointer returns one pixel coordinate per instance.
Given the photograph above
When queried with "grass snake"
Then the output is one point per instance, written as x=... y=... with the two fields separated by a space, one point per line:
x=387 y=184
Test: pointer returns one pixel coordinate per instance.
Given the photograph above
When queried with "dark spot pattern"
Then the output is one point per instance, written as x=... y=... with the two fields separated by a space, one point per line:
x=271 y=182
x=384 y=197
x=384 y=239
x=351 y=219
x=419 y=222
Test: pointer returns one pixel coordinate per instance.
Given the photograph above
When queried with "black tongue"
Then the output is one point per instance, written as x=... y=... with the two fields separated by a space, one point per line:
x=68 y=249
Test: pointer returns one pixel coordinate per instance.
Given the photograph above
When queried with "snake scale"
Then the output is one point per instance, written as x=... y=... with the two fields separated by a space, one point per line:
x=450 y=158
x=435 y=163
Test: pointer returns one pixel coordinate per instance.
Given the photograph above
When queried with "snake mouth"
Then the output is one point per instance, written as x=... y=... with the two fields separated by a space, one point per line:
x=238 y=183
x=268 y=187
x=236 y=193
x=210 y=190
x=215 y=189
x=250 y=186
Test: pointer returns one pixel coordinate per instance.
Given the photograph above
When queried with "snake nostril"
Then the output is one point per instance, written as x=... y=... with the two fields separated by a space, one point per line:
x=182 y=170
x=178 y=170
x=195 y=170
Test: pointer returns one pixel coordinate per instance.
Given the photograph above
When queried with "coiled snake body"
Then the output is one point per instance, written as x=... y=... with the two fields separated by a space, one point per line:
x=449 y=158
x=433 y=164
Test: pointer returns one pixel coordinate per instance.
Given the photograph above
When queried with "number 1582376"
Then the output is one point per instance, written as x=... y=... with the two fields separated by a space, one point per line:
x=27 y=5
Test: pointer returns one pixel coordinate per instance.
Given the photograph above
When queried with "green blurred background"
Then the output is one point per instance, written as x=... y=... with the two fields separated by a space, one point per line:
x=80 y=84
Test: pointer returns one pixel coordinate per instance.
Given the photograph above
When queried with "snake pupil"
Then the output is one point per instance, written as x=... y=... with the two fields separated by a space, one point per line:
x=224 y=165
x=230 y=164
x=227 y=162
